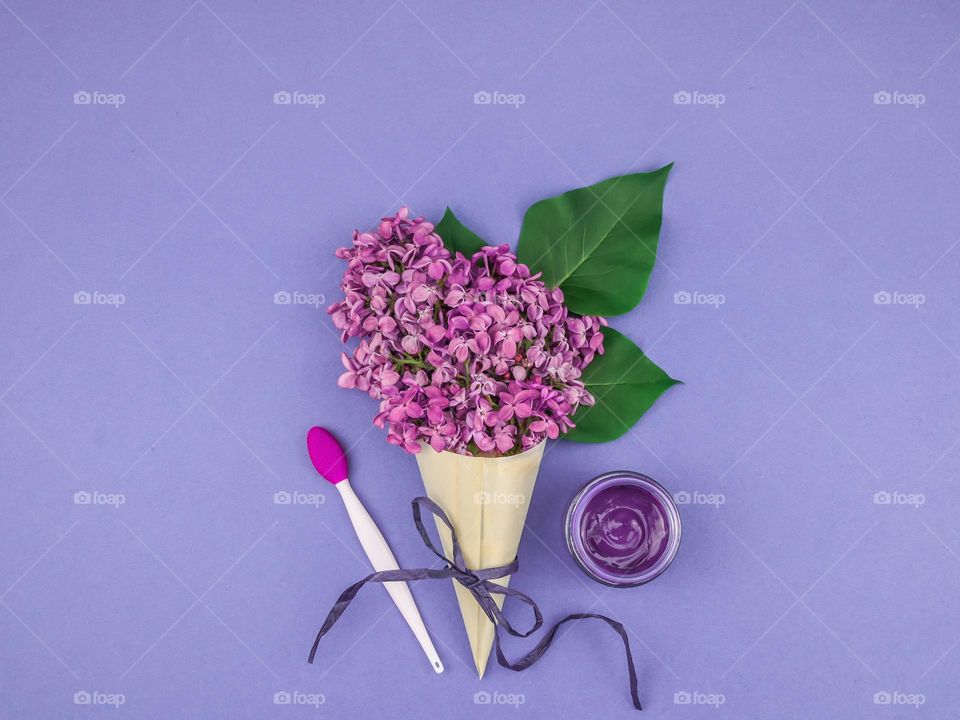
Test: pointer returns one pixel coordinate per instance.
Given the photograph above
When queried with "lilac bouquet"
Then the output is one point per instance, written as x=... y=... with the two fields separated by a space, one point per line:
x=478 y=355
x=471 y=354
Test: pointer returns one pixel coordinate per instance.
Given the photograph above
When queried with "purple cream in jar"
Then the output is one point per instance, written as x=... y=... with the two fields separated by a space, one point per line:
x=623 y=528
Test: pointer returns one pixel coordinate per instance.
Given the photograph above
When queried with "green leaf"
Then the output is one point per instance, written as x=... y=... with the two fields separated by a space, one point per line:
x=599 y=243
x=456 y=236
x=625 y=383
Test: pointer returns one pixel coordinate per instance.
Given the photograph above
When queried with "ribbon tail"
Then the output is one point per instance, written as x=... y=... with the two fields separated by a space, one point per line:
x=335 y=612
x=541 y=648
x=383 y=576
x=482 y=592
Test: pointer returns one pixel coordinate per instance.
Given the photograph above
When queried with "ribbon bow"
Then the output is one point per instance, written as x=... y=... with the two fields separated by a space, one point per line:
x=480 y=585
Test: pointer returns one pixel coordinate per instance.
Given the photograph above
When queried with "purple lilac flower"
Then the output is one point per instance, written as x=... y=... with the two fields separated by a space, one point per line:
x=473 y=355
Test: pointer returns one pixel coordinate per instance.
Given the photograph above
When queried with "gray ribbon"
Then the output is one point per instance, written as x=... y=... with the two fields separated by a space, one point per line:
x=478 y=582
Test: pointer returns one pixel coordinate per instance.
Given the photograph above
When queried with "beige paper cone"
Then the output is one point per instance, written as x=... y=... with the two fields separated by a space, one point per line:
x=486 y=499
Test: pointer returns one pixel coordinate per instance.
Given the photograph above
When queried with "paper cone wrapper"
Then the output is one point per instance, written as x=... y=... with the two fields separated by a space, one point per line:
x=486 y=500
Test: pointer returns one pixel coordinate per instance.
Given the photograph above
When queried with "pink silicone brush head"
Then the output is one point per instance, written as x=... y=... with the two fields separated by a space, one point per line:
x=326 y=455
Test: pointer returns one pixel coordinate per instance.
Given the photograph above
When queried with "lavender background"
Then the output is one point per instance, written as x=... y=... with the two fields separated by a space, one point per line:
x=798 y=195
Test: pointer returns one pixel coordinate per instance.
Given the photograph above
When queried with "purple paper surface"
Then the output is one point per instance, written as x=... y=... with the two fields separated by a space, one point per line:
x=174 y=178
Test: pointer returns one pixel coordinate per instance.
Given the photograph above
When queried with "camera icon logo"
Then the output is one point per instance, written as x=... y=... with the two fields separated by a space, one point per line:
x=82 y=698
x=682 y=498
x=882 y=697
x=682 y=297
x=282 y=498
x=882 y=97
x=82 y=498
x=882 y=298
x=682 y=698
x=882 y=498
x=282 y=97
x=282 y=297
x=82 y=298
x=482 y=97
x=82 y=97
x=682 y=98
x=282 y=698
x=482 y=697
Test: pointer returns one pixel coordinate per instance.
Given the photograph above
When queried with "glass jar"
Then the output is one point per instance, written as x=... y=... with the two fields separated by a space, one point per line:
x=623 y=528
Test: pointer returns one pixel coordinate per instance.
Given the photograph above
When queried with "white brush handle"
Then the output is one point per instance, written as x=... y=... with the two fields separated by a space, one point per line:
x=382 y=558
